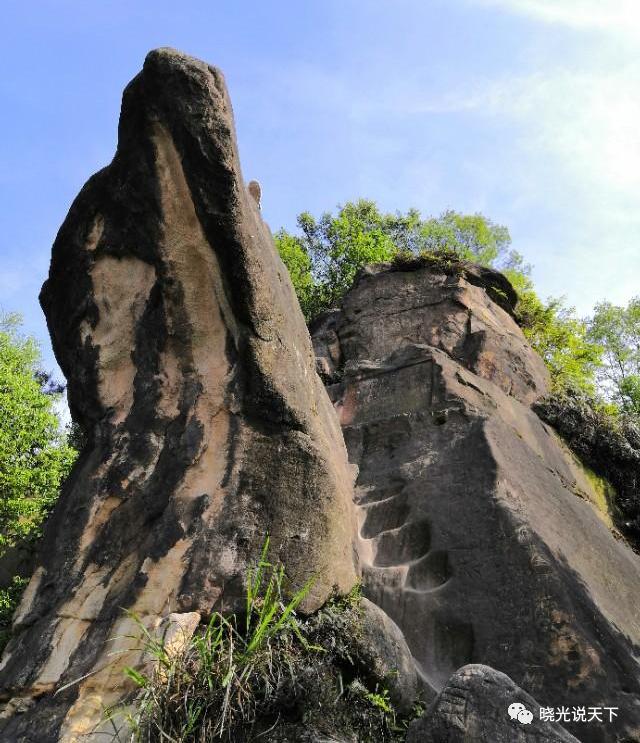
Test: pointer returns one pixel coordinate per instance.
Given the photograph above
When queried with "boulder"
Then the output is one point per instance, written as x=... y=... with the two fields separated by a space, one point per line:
x=382 y=646
x=191 y=372
x=480 y=534
x=474 y=706
x=456 y=315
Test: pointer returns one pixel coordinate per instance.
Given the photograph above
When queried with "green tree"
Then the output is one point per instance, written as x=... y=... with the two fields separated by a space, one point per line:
x=559 y=337
x=340 y=245
x=325 y=257
x=472 y=236
x=34 y=454
x=617 y=330
x=295 y=257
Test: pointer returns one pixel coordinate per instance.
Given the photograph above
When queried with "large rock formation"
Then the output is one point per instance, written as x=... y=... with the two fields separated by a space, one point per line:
x=474 y=706
x=191 y=371
x=480 y=534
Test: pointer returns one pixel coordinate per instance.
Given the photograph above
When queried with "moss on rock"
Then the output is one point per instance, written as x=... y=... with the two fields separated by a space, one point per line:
x=609 y=446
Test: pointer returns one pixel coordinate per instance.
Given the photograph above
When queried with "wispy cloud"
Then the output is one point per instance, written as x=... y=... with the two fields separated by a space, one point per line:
x=589 y=120
x=621 y=16
x=549 y=143
x=574 y=145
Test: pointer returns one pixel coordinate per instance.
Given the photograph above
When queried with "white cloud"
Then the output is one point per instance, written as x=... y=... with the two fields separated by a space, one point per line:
x=555 y=148
x=588 y=120
x=573 y=156
x=579 y=131
x=622 y=16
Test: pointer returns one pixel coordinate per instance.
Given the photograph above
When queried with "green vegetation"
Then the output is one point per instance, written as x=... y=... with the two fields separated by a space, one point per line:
x=605 y=496
x=617 y=330
x=561 y=338
x=9 y=600
x=34 y=454
x=324 y=258
x=608 y=442
x=267 y=673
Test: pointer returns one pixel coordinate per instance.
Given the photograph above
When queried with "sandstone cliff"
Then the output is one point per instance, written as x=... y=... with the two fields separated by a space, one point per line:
x=480 y=533
x=191 y=370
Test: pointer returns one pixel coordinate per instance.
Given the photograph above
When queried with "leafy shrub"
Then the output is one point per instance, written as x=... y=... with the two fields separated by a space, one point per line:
x=9 y=599
x=267 y=674
x=561 y=338
x=324 y=259
x=34 y=454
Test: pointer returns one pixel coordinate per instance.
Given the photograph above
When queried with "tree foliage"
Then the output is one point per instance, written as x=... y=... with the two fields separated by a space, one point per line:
x=561 y=338
x=617 y=330
x=324 y=258
x=34 y=454
x=472 y=236
x=298 y=263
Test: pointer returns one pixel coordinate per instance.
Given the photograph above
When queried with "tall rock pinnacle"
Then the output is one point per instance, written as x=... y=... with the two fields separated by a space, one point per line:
x=191 y=371
x=481 y=535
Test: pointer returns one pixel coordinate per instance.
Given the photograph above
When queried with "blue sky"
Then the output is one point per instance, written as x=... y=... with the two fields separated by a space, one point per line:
x=525 y=110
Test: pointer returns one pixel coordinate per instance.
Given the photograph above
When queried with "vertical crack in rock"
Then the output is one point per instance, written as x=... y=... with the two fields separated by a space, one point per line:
x=191 y=371
x=471 y=537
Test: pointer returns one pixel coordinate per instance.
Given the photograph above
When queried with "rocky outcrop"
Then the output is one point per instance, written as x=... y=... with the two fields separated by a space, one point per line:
x=385 y=651
x=610 y=446
x=474 y=706
x=191 y=372
x=480 y=534
x=460 y=318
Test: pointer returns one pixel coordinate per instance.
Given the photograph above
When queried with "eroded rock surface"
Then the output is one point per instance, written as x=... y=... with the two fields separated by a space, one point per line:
x=473 y=707
x=383 y=646
x=479 y=532
x=191 y=371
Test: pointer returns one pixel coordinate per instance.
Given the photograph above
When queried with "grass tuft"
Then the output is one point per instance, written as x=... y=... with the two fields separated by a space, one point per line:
x=266 y=675
x=442 y=259
x=233 y=670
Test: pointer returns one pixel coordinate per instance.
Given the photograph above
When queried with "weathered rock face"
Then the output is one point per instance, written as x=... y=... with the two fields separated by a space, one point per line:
x=474 y=706
x=191 y=370
x=612 y=451
x=459 y=318
x=479 y=534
